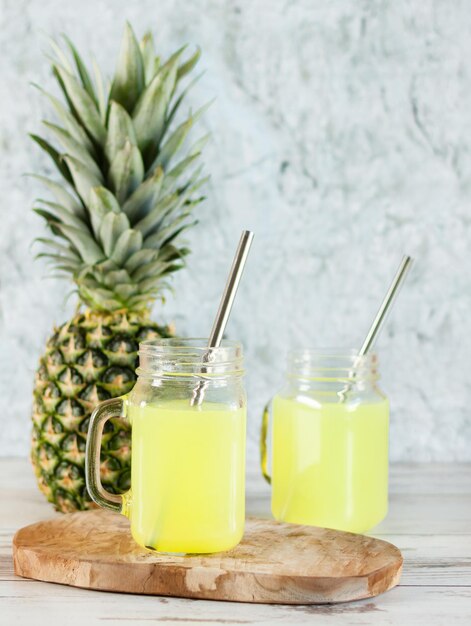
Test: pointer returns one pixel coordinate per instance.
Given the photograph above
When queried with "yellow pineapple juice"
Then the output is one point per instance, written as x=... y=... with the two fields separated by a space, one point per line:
x=187 y=476
x=330 y=462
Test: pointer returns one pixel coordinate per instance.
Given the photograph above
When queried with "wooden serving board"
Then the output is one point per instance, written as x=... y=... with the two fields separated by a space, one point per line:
x=274 y=563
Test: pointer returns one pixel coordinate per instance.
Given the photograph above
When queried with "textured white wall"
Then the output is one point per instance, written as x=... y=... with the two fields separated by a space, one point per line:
x=341 y=136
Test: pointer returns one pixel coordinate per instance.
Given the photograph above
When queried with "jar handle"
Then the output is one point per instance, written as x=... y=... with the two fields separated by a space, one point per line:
x=103 y=412
x=263 y=442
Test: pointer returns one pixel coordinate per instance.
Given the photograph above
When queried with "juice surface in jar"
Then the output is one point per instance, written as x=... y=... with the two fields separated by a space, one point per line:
x=187 y=476
x=330 y=462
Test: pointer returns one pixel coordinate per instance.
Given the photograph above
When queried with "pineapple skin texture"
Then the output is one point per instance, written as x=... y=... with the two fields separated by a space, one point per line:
x=88 y=359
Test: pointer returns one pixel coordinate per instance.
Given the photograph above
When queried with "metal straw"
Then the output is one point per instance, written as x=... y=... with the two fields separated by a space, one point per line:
x=380 y=317
x=225 y=307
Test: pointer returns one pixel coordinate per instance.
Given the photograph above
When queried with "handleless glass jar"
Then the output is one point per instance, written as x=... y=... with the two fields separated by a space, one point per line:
x=329 y=442
x=188 y=459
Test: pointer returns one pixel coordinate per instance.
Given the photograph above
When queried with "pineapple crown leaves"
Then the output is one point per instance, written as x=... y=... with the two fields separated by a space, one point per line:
x=129 y=181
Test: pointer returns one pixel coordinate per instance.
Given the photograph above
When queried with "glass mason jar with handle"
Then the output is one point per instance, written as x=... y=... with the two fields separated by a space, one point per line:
x=188 y=460
x=329 y=453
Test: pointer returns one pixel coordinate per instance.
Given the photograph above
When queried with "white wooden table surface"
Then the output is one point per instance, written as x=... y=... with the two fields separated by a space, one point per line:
x=429 y=520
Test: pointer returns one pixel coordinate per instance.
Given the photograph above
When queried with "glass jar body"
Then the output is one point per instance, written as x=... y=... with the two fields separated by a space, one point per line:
x=330 y=445
x=188 y=465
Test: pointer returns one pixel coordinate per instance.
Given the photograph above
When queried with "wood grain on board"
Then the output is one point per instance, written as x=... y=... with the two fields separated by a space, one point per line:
x=275 y=563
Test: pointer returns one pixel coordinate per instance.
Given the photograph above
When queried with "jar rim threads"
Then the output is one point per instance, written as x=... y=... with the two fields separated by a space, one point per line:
x=184 y=357
x=332 y=364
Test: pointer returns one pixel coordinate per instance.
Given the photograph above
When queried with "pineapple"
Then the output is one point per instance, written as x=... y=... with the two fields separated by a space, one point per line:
x=128 y=186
